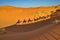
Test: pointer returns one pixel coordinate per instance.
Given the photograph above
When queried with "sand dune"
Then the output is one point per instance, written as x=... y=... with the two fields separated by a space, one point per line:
x=50 y=32
x=9 y=14
x=48 y=29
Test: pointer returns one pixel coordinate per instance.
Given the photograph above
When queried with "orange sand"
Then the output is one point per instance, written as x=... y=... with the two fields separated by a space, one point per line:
x=9 y=14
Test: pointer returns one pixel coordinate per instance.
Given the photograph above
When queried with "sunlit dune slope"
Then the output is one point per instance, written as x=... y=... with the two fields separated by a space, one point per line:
x=9 y=14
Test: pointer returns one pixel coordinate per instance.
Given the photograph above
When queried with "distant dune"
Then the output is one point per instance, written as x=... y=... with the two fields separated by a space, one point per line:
x=9 y=14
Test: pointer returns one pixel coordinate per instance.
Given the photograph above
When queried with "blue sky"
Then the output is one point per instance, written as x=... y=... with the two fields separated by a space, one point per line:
x=29 y=3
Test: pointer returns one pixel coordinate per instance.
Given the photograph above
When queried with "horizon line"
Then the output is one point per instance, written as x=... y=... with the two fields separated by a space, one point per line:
x=31 y=6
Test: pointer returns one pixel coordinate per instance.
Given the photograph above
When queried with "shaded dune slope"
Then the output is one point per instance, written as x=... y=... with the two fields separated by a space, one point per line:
x=50 y=29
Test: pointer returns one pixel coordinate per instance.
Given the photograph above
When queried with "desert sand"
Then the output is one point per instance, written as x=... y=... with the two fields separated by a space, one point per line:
x=45 y=23
x=9 y=15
